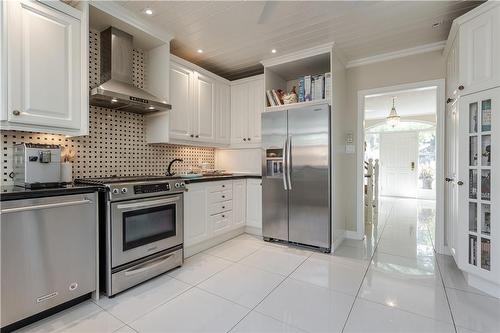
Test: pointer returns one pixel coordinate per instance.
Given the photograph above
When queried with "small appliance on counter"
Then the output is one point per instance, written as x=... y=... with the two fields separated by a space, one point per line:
x=37 y=165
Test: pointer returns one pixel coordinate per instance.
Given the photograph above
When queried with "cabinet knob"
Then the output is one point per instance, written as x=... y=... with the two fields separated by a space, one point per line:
x=460 y=182
x=449 y=100
x=197 y=136
x=461 y=87
x=16 y=112
x=448 y=179
x=223 y=207
x=192 y=135
x=223 y=196
x=248 y=139
x=244 y=139
x=223 y=215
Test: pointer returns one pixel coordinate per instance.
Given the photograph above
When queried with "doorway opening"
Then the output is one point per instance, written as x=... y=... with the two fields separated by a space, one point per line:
x=400 y=153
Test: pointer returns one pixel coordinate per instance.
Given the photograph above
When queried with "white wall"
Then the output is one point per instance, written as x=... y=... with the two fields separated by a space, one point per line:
x=239 y=160
x=415 y=68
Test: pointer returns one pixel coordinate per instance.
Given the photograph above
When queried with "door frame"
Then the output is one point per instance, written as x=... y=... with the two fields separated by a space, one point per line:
x=440 y=144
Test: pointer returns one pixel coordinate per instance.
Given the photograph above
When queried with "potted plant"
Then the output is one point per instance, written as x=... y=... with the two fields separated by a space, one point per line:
x=427 y=177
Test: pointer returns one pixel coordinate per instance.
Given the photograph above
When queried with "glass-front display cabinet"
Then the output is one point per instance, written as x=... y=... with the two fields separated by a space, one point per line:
x=479 y=187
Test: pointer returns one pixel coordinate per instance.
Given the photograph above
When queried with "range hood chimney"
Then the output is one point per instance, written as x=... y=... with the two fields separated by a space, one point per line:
x=116 y=90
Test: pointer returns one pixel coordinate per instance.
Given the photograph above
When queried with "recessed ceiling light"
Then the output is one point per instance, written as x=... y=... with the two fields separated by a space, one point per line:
x=273 y=51
x=148 y=11
x=200 y=51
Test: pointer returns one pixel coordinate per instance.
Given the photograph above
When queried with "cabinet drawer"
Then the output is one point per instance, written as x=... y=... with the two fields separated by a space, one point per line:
x=220 y=207
x=219 y=196
x=221 y=221
x=220 y=186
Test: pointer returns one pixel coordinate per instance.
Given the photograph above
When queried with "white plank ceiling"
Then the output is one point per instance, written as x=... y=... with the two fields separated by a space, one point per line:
x=236 y=35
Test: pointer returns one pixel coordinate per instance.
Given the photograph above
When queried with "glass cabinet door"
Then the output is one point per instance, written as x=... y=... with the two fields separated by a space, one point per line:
x=478 y=173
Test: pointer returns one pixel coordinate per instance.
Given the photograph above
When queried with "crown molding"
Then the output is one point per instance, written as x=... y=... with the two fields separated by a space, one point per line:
x=397 y=54
x=310 y=52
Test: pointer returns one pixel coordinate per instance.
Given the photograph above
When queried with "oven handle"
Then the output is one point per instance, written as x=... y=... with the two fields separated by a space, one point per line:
x=148 y=265
x=146 y=204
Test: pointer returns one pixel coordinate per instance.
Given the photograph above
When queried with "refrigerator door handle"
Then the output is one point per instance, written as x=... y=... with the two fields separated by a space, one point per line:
x=289 y=162
x=284 y=161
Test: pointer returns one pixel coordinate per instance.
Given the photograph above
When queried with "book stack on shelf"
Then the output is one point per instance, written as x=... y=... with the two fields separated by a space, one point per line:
x=310 y=88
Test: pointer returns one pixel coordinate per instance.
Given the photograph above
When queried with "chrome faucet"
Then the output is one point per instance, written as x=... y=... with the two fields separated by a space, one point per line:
x=169 y=169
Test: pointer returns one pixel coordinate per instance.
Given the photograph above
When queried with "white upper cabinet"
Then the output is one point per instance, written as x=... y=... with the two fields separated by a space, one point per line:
x=46 y=84
x=247 y=105
x=223 y=113
x=205 y=108
x=181 y=90
x=200 y=105
x=480 y=52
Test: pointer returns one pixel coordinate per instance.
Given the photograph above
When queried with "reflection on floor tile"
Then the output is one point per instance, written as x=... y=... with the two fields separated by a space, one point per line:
x=277 y=260
x=135 y=302
x=193 y=311
x=199 y=268
x=372 y=317
x=311 y=308
x=475 y=312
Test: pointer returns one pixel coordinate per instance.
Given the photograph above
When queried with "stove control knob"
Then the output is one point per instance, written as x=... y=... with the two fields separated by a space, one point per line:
x=124 y=190
x=177 y=185
x=183 y=185
x=116 y=191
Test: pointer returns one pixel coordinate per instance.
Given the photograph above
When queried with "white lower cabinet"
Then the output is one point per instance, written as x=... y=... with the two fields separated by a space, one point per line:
x=213 y=213
x=254 y=206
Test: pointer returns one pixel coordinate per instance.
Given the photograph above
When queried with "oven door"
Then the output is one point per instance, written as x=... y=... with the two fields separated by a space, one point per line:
x=145 y=226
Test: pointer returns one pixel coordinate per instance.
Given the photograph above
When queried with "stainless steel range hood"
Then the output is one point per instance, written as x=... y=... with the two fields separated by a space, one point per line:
x=116 y=90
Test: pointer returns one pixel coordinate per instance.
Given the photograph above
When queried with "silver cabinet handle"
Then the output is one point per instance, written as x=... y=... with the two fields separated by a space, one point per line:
x=289 y=162
x=285 y=183
x=148 y=265
x=44 y=206
x=16 y=112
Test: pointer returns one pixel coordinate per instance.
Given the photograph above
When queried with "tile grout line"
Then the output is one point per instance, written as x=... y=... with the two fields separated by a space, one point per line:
x=270 y=292
x=368 y=267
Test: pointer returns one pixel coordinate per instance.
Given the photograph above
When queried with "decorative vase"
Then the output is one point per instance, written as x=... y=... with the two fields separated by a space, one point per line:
x=66 y=172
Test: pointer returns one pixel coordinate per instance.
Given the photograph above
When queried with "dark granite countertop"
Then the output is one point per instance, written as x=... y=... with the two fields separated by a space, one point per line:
x=220 y=177
x=17 y=192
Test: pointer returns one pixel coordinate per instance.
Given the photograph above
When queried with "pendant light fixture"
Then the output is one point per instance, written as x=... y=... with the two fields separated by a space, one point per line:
x=393 y=118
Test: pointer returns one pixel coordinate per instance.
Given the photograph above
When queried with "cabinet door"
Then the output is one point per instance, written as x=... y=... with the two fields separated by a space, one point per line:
x=255 y=108
x=204 y=108
x=239 y=113
x=452 y=71
x=223 y=114
x=254 y=203
x=239 y=202
x=479 y=187
x=181 y=96
x=44 y=66
x=196 y=228
x=480 y=52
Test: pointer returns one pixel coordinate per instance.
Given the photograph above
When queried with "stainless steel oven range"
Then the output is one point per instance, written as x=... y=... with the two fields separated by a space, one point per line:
x=141 y=228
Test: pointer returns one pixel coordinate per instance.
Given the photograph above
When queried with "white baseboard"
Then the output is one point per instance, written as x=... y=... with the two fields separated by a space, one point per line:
x=202 y=246
x=253 y=230
x=338 y=242
x=485 y=286
x=354 y=235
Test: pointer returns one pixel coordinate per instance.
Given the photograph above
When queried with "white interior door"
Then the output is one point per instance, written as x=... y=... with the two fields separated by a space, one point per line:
x=398 y=164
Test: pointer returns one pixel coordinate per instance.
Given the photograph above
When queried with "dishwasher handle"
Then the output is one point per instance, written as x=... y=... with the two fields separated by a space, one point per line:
x=45 y=206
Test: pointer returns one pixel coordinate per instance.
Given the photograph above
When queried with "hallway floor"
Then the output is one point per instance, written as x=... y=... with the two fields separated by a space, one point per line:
x=390 y=282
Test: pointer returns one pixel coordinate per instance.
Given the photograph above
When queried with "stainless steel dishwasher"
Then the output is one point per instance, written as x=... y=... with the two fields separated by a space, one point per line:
x=48 y=253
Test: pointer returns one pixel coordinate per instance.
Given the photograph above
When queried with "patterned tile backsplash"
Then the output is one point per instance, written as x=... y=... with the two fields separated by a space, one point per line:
x=116 y=144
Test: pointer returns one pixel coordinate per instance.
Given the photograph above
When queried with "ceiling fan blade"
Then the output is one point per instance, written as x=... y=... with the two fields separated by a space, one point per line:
x=267 y=12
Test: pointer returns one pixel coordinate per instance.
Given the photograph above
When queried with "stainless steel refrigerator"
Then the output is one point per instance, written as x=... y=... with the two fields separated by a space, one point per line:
x=296 y=172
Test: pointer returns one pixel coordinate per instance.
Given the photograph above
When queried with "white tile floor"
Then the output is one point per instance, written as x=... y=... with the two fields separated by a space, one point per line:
x=390 y=282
